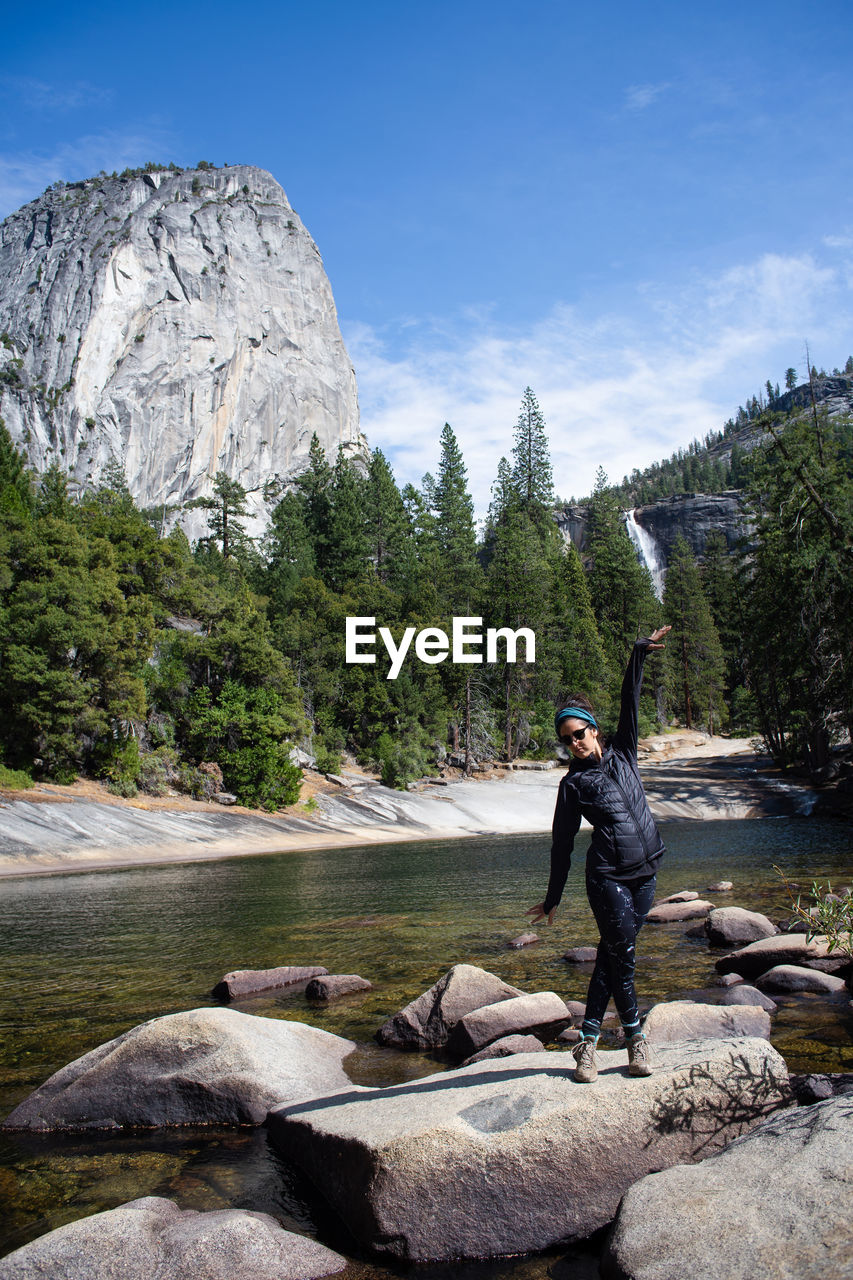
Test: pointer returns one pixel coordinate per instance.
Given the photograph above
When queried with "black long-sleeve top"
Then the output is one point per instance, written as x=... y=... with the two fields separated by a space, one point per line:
x=626 y=843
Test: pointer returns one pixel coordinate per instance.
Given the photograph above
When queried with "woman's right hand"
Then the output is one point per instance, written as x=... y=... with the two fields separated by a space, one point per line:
x=538 y=913
x=657 y=636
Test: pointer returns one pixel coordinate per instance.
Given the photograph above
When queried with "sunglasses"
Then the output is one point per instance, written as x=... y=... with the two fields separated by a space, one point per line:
x=575 y=734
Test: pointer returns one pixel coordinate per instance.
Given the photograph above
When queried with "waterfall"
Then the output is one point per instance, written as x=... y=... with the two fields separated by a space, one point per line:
x=647 y=550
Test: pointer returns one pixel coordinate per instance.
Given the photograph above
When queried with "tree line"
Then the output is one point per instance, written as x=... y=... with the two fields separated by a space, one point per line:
x=136 y=658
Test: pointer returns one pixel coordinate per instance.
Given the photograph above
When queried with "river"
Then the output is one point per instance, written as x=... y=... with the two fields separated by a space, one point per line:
x=86 y=956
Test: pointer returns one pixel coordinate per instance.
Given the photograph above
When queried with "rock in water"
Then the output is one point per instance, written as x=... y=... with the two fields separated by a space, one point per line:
x=757 y=957
x=542 y=1013
x=206 y=1066
x=771 y=1204
x=247 y=982
x=512 y=1155
x=743 y=993
x=794 y=977
x=668 y=912
x=427 y=1022
x=153 y=1237
x=181 y=323
x=523 y=940
x=730 y=926
x=336 y=984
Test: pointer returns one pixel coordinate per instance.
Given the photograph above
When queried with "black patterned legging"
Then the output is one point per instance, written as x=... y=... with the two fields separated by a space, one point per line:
x=619 y=910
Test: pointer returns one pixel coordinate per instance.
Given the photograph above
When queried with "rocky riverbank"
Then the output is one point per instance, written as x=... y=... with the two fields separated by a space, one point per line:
x=506 y=1154
x=84 y=828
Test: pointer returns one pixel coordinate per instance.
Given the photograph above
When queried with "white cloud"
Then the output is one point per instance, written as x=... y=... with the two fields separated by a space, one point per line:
x=617 y=390
x=640 y=96
x=36 y=95
x=25 y=174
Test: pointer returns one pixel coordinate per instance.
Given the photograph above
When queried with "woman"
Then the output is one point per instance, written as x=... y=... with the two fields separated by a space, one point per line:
x=603 y=785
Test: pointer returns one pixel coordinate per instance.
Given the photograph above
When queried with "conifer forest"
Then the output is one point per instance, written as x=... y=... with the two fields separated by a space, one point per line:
x=129 y=655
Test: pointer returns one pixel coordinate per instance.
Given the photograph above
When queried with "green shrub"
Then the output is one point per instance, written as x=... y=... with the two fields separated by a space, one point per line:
x=327 y=761
x=158 y=771
x=401 y=759
x=14 y=779
x=119 y=764
x=123 y=786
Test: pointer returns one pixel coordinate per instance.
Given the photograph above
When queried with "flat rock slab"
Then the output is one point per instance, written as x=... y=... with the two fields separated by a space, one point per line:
x=543 y=1013
x=734 y=926
x=787 y=948
x=506 y=1047
x=149 y=1238
x=336 y=984
x=206 y=1066
x=427 y=1022
x=512 y=1155
x=720 y=886
x=581 y=955
x=675 y=1020
x=683 y=895
x=772 y=1204
x=669 y=912
x=248 y=982
x=794 y=977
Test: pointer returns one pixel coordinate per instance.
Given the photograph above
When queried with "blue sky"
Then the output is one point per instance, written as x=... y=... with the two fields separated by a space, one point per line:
x=640 y=210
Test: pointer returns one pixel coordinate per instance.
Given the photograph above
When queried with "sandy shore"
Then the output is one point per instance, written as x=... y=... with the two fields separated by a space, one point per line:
x=83 y=828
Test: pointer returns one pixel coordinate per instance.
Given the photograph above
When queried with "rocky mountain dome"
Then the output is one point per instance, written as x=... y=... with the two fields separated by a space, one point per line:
x=178 y=322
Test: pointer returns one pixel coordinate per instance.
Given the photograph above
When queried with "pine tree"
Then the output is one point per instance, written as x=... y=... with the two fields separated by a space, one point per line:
x=16 y=481
x=288 y=552
x=347 y=550
x=694 y=659
x=315 y=484
x=387 y=529
x=460 y=576
x=532 y=478
x=227 y=506
x=620 y=587
x=519 y=591
x=797 y=593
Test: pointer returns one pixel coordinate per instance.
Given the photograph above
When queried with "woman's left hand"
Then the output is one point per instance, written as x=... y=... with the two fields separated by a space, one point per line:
x=658 y=635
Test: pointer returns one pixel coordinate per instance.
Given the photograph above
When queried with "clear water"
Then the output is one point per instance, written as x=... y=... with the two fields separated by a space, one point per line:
x=85 y=957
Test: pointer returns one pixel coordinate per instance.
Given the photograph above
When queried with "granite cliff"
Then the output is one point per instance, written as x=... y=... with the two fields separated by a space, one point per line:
x=179 y=322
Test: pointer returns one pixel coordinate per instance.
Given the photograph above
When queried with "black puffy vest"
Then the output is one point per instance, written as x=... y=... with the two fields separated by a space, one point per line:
x=625 y=842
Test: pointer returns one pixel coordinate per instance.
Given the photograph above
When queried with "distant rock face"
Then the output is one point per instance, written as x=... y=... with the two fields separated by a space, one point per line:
x=180 y=323
x=694 y=516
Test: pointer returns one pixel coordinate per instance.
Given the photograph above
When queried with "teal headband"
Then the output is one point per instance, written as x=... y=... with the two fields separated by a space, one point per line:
x=576 y=713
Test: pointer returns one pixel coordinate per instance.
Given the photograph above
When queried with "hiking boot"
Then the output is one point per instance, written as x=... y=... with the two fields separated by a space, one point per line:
x=584 y=1055
x=639 y=1063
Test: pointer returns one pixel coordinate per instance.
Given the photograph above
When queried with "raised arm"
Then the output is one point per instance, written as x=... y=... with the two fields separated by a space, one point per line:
x=625 y=738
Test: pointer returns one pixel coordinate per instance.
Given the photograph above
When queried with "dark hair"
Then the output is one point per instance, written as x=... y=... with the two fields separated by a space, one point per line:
x=578 y=700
